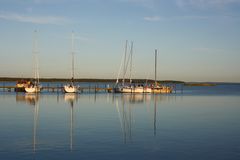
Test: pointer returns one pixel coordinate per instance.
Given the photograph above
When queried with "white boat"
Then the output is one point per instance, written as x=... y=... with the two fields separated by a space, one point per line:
x=35 y=87
x=162 y=89
x=126 y=89
x=71 y=88
x=147 y=89
x=131 y=89
x=138 y=89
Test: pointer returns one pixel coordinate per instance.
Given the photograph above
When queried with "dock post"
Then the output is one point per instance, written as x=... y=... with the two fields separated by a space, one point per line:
x=175 y=88
x=48 y=87
x=182 y=88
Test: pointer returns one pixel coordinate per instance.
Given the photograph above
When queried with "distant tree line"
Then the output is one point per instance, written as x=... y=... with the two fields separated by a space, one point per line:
x=10 y=79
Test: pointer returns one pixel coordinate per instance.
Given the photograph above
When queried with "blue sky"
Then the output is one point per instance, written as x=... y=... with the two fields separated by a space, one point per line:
x=198 y=40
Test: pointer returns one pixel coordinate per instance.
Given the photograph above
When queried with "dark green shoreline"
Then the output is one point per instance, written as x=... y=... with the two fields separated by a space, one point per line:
x=11 y=79
x=96 y=80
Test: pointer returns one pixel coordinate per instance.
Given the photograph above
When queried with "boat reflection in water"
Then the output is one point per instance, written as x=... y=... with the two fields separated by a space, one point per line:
x=127 y=108
x=125 y=117
x=136 y=98
x=71 y=98
x=126 y=104
x=28 y=98
x=32 y=100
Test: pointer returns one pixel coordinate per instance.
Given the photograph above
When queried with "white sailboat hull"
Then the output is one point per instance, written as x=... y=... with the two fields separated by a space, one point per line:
x=137 y=90
x=147 y=90
x=122 y=89
x=70 y=89
x=33 y=89
x=127 y=89
x=163 y=89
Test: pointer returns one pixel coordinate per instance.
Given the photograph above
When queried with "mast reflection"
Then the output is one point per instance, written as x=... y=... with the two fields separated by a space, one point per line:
x=155 y=115
x=32 y=100
x=124 y=105
x=126 y=102
x=71 y=98
x=36 y=115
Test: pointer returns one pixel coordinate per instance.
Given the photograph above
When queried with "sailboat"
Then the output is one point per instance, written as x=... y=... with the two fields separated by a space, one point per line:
x=71 y=88
x=130 y=87
x=157 y=88
x=35 y=86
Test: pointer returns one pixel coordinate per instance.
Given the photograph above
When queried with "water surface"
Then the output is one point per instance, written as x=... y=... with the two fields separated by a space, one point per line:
x=201 y=123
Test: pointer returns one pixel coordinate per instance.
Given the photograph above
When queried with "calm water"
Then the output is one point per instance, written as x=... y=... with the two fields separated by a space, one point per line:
x=201 y=123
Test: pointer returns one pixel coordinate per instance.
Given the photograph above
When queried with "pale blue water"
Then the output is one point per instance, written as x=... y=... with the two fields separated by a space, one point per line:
x=200 y=123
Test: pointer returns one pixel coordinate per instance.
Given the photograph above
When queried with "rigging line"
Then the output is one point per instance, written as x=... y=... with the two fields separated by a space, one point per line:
x=120 y=68
x=126 y=65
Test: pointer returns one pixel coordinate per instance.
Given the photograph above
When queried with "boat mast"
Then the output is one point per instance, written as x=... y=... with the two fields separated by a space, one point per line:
x=120 y=68
x=131 y=52
x=155 y=67
x=72 y=52
x=124 y=64
x=35 y=51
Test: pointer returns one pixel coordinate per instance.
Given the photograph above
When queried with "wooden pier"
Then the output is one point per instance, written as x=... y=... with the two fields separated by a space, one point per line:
x=89 y=89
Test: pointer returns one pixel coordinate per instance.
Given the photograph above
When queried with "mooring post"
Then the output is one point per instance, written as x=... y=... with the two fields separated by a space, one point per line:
x=182 y=88
x=48 y=87
x=175 y=88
